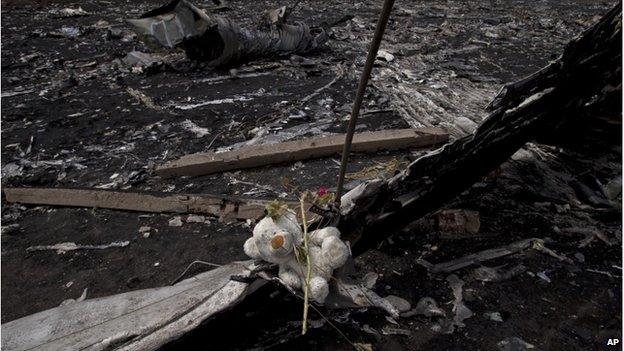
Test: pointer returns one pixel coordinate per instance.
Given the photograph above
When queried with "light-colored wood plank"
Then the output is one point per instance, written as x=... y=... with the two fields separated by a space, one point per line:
x=290 y=151
x=219 y=206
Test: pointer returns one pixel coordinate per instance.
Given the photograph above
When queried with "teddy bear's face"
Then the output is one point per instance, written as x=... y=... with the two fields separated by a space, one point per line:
x=273 y=241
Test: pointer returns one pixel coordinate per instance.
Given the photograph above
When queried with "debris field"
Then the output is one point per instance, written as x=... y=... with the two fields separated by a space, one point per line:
x=529 y=258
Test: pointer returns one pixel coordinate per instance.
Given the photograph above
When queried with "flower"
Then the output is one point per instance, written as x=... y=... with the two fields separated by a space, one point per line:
x=321 y=191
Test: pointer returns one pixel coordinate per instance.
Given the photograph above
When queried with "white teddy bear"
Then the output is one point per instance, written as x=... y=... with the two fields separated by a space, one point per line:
x=274 y=240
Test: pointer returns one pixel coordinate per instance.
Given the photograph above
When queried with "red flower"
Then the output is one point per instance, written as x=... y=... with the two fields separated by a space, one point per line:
x=321 y=191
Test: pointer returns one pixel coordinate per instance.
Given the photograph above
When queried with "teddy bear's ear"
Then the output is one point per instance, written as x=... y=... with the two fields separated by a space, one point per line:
x=290 y=223
x=265 y=225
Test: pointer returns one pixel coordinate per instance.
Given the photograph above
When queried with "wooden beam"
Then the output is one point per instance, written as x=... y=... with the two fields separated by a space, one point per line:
x=290 y=151
x=223 y=207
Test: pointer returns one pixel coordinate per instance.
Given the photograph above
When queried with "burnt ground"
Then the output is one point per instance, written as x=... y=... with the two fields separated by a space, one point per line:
x=70 y=96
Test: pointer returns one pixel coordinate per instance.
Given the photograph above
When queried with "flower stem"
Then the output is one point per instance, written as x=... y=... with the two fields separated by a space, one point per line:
x=306 y=286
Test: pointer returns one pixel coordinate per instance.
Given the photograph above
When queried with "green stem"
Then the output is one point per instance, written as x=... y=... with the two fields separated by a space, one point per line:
x=306 y=287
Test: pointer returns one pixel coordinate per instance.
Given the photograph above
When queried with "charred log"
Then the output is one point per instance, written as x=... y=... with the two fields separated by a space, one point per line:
x=581 y=88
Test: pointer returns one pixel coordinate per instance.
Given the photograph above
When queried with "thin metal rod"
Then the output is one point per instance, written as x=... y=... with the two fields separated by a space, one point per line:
x=359 y=95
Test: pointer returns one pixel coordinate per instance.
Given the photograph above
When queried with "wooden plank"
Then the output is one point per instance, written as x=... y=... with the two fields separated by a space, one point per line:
x=214 y=205
x=290 y=151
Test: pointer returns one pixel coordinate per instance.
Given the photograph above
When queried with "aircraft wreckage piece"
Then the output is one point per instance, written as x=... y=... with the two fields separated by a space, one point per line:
x=585 y=83
x=137 y=320
x=577 y=92
x=148 y=319
x=220 y=41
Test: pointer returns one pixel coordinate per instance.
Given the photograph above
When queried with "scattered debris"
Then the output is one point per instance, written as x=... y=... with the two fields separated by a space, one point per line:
x=370 y=279
x=384 y=55
x=175 y=221
x=359 y=296
x=542 y=275
x=142 y=98
x=497 y=274
x=452 y=223
x=8 y=94
x=591 y=234
x=486 y=255
x=379 y=170
x=141 y=61
x=389 y=202
x=199 y=132
x=11 y=170
x=67 y=32
x=514 y=344
x=145 y=231
x=613 y=188
x=363 y=346
x=69 y=246
x=493 y=316
x=10 y=229
x=231 y=100
x=68 y=12
x=461 y=311
x=399 y=303
x=195 y=219
x=290 y=151
x=324 y=87
x=515 y=114
x=219 y=40
x=395 y=331
x=82 y=297
x=601 y=272
x=427 y=307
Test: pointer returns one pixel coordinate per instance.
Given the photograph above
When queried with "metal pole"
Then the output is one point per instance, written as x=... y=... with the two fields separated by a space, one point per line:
x=359 y=95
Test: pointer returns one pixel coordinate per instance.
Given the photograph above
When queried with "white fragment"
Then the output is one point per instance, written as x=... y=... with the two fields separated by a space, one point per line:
x=370 y=279
x=514 y=344
x=175 y=222
x=70 y=246
x=82 y=297
x=542 y=275
x=190 y=126
x=69 y=12
x=213 y=102
x=493 y=316
x=195 y=219
x=384 y=55
x=399 y=303
x=461 y=311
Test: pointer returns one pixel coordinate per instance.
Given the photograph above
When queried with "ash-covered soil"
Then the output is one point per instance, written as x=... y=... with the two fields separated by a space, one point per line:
x=70 y=119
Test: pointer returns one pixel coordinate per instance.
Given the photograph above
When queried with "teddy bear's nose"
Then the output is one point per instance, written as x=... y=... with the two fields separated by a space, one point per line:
x=277 y=241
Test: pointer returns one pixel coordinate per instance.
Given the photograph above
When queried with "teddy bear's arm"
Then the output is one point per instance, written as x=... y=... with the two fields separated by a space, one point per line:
x=318 y=236
x=335 y=251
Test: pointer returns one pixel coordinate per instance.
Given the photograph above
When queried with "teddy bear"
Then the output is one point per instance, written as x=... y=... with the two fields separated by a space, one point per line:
x=277 y=240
